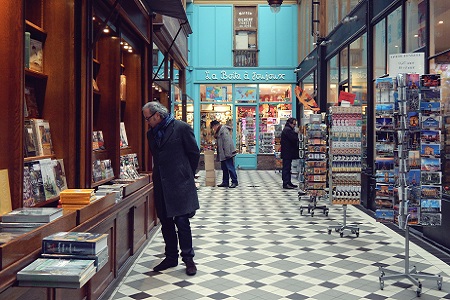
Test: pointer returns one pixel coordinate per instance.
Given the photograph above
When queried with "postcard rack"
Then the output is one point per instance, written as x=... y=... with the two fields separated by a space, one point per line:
x=315 y=170
x=408 y=178
x=345 y=162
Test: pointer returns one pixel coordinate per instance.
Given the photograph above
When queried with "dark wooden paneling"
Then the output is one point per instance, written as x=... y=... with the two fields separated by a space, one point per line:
x=11 y=113
x=124 y=230
x=140 y=213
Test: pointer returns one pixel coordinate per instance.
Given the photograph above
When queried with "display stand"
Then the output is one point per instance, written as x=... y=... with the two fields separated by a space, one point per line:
x=417 y=193
x=345 y=162
x=315 y=171
x=343 y=226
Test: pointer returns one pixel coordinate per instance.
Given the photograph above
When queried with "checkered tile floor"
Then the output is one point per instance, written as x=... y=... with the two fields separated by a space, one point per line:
x=252 y=243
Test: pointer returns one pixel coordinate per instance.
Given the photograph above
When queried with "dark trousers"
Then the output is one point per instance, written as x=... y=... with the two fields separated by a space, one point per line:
x=286 y=171
x=172 y=237
x=228 y=171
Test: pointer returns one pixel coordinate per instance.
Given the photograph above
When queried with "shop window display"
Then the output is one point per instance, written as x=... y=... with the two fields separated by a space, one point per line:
x=210 y=112
x=246 y=129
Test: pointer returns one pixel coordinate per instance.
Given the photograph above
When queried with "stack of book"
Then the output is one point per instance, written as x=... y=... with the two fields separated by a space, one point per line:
x=76 y=198
x=77 y=245
x=58 y=273
x=116 y=188
x=28 y=218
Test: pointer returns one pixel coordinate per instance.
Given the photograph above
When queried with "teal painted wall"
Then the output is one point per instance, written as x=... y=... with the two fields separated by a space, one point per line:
x=212 y=37
x=277 y=36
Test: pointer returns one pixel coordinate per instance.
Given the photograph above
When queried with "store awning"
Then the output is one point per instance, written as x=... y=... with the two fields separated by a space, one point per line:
x=171 y=8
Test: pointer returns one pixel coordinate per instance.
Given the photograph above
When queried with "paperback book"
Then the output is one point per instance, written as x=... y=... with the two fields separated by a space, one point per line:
x=33 y=214
x=99 y=260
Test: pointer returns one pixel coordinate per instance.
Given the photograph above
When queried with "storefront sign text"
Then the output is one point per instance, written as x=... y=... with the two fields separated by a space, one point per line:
x=246 y=76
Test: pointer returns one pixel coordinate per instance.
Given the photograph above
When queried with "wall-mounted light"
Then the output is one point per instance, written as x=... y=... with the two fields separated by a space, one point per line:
x=106 y=29
x=275 y=5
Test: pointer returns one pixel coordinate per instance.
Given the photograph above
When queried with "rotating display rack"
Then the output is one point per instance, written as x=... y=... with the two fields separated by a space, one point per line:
x=345 y=162
x=408 y=162
x=315 y=170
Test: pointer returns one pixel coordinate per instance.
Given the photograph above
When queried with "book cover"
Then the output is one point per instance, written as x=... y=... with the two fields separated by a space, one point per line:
x=36 y=181
x=36 y=55
x=50 y=269
x=46 y=138
x=29 y=140
x=31 y=102
x=33 y=215
x=123 y=135
x=96 y=171
x=60 y=174
x=28 y=199
x=77 y=196
x=101 y=140
x=27 y=49
x=5 y=193
x=95 y=145
x=48 y=178
x=99 y=259
x=79 y=243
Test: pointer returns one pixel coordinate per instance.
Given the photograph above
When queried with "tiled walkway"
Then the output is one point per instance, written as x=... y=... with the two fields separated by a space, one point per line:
x=252 y=243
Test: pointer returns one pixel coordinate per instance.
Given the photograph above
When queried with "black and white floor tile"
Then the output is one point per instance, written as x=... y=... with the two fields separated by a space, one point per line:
x=252 y=243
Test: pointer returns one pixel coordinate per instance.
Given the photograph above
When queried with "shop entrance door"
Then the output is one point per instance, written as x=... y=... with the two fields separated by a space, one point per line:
x=245 y=132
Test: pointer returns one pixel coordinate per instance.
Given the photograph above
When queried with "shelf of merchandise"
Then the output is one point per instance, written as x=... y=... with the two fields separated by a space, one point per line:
x=315 y=171
x=345 y=161
x=408 y=187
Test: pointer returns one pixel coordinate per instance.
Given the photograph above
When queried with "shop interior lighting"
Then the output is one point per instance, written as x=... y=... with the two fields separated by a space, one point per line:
x=275 y=5
x=441 y=22
x=106 y=29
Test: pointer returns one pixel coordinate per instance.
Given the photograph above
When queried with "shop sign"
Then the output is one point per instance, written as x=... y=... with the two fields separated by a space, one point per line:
x=406 y=63
x=246 y=76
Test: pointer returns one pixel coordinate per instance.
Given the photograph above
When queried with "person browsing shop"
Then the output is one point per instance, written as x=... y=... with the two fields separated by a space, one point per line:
x=289 y=151
x=226 y=151
x=175 y=159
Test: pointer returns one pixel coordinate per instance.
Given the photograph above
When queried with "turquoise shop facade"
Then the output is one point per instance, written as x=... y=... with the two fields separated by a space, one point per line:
x=211 y=61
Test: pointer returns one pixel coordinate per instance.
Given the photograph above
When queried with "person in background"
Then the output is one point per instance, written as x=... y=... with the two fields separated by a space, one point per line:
x=289 y=151
x=175 y=159
x=226 y=151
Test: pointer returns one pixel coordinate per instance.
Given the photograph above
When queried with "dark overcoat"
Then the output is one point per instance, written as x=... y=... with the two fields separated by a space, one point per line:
x=289 y=143
x=175 y=161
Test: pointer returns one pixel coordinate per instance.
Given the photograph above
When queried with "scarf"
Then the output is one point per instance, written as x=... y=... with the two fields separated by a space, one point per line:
x=160 y=129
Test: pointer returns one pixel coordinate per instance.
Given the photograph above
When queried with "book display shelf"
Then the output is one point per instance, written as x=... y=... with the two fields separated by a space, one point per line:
x=316 y=164
x=49 y=85
x=345 y=161
x=408 y=148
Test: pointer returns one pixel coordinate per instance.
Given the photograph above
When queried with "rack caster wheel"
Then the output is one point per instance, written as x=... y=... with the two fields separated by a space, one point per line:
x=326 y=214
x=301 y=211
x=329 y=231
x=336 y=229
x=312 y=214
x=418 y=292
x=341 y=234
x=357 y=234
x=439 y=282
x=381 y=284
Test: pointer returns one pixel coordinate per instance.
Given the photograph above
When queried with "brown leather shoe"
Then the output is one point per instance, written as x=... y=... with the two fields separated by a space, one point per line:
x=191 y=269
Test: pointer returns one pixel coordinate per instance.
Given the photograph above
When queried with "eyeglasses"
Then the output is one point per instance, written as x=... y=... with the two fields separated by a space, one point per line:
x=148 y=118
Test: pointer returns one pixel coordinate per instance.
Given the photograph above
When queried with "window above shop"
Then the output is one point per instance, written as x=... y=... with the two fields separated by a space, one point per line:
x=245 y=36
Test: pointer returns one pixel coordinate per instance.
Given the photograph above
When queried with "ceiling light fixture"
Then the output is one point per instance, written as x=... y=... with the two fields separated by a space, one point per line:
x=275 y=5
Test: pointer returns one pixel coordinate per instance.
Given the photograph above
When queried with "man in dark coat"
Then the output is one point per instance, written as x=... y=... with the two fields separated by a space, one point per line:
x=175 y=159
x=289 y=151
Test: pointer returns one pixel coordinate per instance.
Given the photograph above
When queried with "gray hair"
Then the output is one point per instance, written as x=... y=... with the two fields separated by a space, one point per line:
x=156 y=107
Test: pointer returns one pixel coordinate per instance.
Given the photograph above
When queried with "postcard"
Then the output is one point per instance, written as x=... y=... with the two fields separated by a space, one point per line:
x=430 y=205
x=431 y=177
